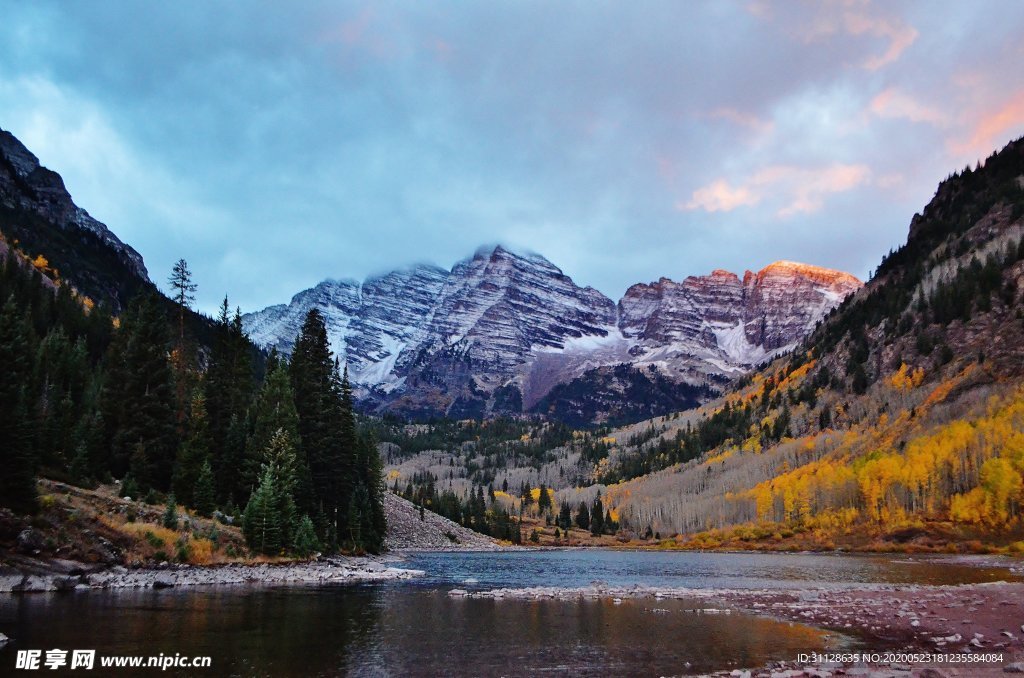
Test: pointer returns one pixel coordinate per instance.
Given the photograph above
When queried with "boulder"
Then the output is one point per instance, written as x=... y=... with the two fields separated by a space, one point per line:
x=33 y=584
x=163 y=581
x=66 y=582
x=31 y=541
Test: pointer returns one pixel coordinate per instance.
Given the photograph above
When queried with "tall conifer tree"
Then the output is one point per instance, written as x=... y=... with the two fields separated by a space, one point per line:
x=17 y=481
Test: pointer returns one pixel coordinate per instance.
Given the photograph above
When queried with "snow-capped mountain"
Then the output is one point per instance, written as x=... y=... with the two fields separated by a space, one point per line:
x=368 y=324
x=717 y=325
x=500 y=330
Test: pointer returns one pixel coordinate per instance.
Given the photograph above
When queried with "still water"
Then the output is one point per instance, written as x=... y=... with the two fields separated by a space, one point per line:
x=415 y=628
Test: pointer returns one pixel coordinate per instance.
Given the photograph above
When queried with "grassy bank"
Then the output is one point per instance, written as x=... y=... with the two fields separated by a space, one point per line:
x=96 y=526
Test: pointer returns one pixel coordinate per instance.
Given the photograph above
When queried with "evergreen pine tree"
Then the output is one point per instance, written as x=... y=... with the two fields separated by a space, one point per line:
x=261 y=524
x=280 y=461
x=129 y=488
x=326 y=425
x=17 y=480
x=79 y=469
x=229 y=384
x=565 y=516
x=526 y=493
x=305 y=542
x=274 y=410
x=373 y=477
x=597 y=518
x=170 y=517
x=358 y=517
x=182 y=291
x=192 y=453
x=183 y=294
x=145 y=432
x=232 y=456
x=583 y=517
x=204 y=495
x=544 y=500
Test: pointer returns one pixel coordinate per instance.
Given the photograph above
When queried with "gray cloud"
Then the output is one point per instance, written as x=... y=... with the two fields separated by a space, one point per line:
x=275 y=145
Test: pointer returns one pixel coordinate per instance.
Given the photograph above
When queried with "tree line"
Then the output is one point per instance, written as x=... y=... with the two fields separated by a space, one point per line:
x=91 y=397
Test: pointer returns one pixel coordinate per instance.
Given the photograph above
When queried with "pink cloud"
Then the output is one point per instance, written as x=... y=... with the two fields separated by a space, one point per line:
x=719 y=196
x=900 y=36
x=361 y=32
x=893 y=103
x=747 y=120
x=993 y=127
x=795 y=190
x=812 y=22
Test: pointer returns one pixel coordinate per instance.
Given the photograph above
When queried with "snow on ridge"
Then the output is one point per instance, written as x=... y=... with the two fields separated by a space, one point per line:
x=501 y=317
x=733 y=342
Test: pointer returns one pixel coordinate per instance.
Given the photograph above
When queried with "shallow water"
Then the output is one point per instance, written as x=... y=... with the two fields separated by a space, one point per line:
x=579 y=567
x=415 y=628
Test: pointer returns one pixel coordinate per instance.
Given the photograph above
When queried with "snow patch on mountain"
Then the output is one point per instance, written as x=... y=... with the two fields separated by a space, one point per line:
x=732 y=339
x=439 y=339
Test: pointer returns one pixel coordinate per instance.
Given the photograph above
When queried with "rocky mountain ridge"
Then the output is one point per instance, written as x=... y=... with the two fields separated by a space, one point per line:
x=499 y=331
x=37 y=211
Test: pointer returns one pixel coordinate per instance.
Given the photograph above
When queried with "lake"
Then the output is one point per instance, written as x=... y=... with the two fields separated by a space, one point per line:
x=416 y=628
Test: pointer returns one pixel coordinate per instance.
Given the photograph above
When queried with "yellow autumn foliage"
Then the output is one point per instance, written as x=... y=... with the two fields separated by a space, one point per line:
x=535 y=494
x=720 y=457
x=905 y=379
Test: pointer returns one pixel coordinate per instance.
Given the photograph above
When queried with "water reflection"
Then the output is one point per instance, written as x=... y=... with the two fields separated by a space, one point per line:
x=418 y=629
x=391 y=630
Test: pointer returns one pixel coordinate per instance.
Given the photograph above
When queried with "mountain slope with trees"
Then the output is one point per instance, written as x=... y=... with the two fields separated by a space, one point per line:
x=106 y=379
x=900 y=419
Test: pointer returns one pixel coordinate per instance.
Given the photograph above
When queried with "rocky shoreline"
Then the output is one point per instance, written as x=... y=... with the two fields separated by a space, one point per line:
x=63 y=575
x=969 y=619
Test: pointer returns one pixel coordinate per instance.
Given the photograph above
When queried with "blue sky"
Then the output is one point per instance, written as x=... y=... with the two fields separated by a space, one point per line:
x=276 y=144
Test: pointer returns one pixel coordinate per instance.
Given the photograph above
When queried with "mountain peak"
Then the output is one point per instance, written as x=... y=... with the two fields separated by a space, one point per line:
x=22 y=159
x=501 y=252
x=784 y=267
x=27 y=186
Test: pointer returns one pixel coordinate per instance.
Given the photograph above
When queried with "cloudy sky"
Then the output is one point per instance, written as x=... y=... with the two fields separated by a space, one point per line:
x=276 y=144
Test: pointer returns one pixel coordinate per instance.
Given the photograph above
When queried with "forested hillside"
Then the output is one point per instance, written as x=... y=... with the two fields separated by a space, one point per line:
x=901 y=418
x=88 y=397
x=898 y=420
